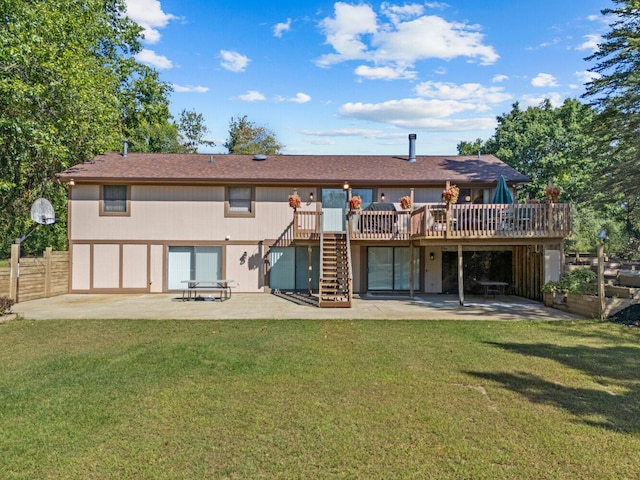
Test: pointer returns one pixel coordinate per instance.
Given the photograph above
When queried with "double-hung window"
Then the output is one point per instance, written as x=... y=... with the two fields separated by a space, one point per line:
x=239 y=202
x=115 y=200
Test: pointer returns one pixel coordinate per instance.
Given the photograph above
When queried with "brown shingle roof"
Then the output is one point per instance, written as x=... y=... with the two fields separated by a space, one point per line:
x=284 y=169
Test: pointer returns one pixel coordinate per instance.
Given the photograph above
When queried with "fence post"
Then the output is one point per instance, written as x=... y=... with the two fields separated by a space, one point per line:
x=47 y=272
x=15 y=273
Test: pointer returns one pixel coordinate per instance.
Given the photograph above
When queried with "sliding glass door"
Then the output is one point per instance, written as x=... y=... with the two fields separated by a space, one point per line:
x=389 y=268
x=193 y=263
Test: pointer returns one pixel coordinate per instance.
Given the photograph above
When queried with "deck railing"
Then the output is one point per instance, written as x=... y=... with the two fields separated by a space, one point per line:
x=492 y=221
x=307 y=225
x=438 y=221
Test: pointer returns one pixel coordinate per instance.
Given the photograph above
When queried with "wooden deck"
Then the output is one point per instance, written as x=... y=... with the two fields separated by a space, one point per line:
x=437 y=222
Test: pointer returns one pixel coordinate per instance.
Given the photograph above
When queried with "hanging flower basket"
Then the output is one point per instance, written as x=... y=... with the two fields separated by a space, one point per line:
x=355 y=203
x=450 y=195
x=405 y=202
x=294 y=201
x=552 y=194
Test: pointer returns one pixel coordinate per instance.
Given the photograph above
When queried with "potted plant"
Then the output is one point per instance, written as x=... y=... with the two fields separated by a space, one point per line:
x=552 y=193
x=450 y=194
x=355 y=203
x=405 y=202
x=294 y=201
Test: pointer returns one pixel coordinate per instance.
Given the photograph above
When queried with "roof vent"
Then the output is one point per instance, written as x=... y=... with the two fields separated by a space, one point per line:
x=412 y=147
x=259 y=157
x=125 y=147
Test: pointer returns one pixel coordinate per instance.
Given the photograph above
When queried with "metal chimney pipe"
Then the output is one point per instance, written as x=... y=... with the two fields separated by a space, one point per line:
x=125 y=147
x=412 y=147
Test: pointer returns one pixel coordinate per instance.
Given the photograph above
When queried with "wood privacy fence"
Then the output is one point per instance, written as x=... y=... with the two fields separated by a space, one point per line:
x=40 y=277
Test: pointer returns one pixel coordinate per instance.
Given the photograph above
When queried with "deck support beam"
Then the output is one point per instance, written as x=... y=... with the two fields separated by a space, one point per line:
x=460 y=275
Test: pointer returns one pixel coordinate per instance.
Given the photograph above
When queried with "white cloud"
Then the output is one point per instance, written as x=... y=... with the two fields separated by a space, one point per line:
x=252 y=96
x=345 y=132
x=586 y=76
x=440 y=71
x=533 y=101
x=356 y=33
x=300 y=98
x=233 y=61
x=344 y=31
x=189 y=88
x=406 y=111
x=544 y=80
x=473 y=92
x=280 y=28
x=499 y=78
x=397 y=13
x=591 y=42
x=149 y=15
x=151 y=58
x=385 y=73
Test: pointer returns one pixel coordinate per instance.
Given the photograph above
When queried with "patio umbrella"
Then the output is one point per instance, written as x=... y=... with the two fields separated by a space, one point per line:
x=502 y=195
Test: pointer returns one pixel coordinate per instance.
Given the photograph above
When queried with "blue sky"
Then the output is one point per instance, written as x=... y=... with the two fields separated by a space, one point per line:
x=357 y=77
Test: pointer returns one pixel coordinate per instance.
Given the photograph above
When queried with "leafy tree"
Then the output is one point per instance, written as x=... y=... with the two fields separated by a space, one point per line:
x=70 y=88
x=246 y=137
x=193 y=130
x=477 y=147
x=557 y=145
x=59 y=89
x=547 y=144
x=616 y=95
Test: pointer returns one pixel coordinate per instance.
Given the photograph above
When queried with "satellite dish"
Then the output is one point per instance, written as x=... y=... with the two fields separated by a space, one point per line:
x=42 y=212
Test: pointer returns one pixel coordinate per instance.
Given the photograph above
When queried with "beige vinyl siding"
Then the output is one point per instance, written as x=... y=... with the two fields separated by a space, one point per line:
x=106 y=266
x=156 y=283
x=247 y=271
x=81 y=267
x=173 y=213
x=134 y=266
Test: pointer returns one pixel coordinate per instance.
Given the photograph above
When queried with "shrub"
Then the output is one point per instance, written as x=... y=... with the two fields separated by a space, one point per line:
x=5 y=305
x=581 y=281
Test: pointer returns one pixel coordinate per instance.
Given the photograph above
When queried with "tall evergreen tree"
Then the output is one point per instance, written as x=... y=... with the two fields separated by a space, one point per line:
x=615 y=92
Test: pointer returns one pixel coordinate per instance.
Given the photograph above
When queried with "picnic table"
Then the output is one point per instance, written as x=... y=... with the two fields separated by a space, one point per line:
x=492 y=287
x=220 y=287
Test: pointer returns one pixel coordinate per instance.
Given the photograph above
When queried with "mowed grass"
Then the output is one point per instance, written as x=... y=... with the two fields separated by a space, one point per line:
x=319 y=399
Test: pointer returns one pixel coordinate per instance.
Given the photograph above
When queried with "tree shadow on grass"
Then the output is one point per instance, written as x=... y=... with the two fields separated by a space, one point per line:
x=614 y=405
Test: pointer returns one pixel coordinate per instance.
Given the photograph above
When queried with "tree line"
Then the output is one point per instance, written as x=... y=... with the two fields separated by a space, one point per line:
x=589 y=147
x=70 y=88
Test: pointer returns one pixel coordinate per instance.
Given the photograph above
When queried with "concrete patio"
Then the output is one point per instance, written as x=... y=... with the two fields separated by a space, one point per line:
x=265 y=306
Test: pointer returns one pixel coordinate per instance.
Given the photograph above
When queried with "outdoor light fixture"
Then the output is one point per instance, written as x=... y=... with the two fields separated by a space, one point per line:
x=432 y=256
x=602 y=236
x=382 y=197
x=72 y=182
x=345 y=185
x=311 y=197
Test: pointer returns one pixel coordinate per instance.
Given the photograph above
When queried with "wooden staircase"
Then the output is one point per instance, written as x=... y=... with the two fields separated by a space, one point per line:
x=335 y=279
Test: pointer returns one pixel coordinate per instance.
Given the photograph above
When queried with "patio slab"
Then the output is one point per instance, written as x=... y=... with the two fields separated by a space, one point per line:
x=265 y=306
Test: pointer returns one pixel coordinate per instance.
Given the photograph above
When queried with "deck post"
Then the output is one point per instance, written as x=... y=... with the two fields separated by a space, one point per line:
x=411 y=273
x=15 y=272
x=601 y=291
x=460 y=276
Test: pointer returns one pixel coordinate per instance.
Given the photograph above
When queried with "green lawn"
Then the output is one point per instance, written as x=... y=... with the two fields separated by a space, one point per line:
x=319 y=399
